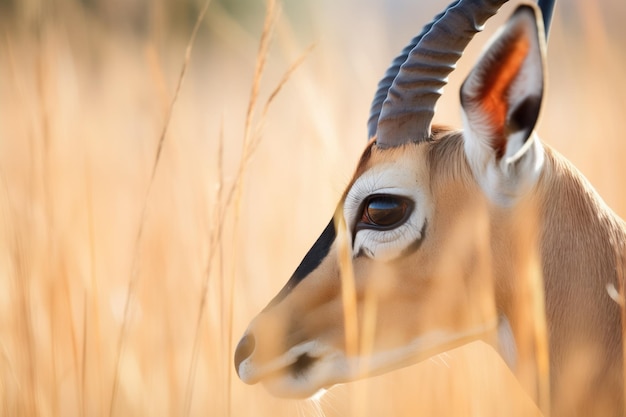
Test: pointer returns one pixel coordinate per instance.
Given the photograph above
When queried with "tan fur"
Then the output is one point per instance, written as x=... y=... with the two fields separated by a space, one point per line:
x=474 y=265
x=581 y=245
x=509 y=231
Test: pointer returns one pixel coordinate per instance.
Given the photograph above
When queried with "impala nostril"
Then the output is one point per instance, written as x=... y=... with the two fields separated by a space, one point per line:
x=244 y=349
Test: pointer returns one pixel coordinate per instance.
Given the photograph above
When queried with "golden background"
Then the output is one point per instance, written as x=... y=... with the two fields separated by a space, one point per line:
x=126 y=281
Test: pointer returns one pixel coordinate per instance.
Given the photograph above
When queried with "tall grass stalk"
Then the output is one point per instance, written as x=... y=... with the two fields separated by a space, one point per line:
x=132 y=282
x=542 y=348
x=26 y=335
x=348 y=289
x=225 y=352
x=42 y=63
x=271 y=16
x=77 y=100
x=91 y=300
x=28 y=405
x=350 y=308
x=251 y=140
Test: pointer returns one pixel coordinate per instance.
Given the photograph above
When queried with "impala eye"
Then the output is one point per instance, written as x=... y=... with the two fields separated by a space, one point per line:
x=384 y=212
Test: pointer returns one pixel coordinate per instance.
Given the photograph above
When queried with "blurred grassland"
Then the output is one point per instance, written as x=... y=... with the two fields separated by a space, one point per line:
x=85 y=89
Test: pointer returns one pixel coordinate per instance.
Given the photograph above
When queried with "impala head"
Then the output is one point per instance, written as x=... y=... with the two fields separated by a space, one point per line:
x=416 y=221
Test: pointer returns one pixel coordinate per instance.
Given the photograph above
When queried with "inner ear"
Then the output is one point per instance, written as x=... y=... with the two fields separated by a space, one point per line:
x=492 y=89
x=502 y=94
x=524 y=116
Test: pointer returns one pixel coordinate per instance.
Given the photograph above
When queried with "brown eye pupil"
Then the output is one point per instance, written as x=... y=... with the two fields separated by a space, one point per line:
x=385 y=211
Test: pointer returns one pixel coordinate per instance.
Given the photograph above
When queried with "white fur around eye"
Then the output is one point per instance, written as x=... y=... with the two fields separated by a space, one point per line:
x=385 y=245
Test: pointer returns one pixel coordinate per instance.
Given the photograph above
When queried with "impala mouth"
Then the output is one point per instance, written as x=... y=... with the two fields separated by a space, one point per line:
x=291 y=374
x=307 y=368
x=302 y=364
x=306 y=376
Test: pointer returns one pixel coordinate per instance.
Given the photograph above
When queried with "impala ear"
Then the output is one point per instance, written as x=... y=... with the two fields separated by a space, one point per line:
x=501 y=99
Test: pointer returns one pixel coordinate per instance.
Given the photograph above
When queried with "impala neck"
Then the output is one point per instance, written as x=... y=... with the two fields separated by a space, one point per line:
x=581 y=252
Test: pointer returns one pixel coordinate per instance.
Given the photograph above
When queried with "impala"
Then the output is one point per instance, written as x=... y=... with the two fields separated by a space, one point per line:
x=443 y=231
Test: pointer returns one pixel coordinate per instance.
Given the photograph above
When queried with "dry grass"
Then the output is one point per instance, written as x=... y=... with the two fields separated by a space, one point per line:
x=83 y=106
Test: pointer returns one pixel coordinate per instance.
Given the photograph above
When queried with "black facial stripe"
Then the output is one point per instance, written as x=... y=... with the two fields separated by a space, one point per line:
x=311 y=261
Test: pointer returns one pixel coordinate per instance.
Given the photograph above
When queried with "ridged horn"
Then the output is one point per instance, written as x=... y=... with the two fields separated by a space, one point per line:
x=409 y=106
x=390 y=75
